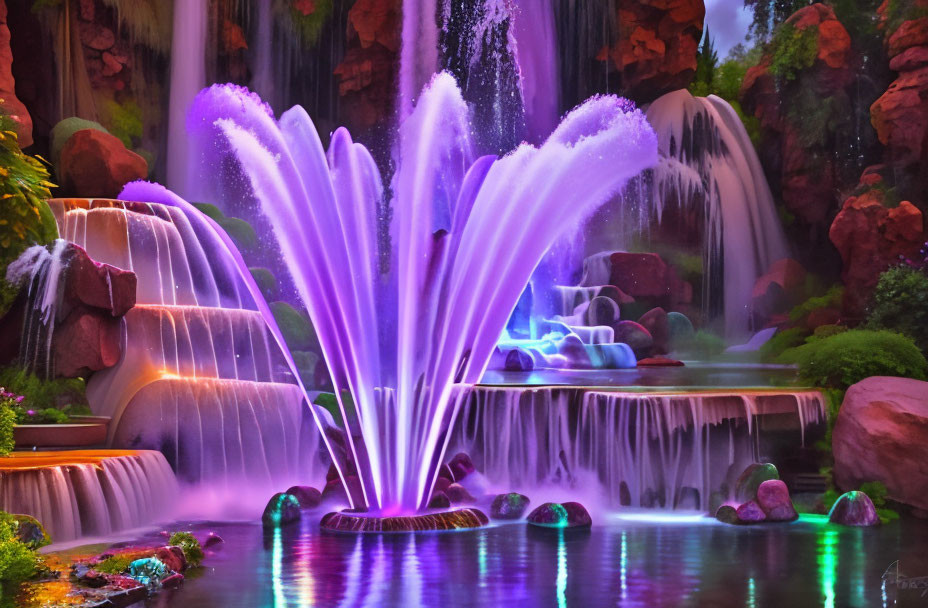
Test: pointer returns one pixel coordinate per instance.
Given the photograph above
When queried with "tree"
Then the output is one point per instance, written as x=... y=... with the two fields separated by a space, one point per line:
x=768 y=14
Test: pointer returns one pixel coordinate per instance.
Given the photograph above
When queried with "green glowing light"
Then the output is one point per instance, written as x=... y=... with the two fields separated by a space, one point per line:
x=277 y=556
x=752 y=593
x=828 y=564
x=561 y=568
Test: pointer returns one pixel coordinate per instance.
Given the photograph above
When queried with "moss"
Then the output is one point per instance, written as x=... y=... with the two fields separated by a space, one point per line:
x=114 y=564
x=266 y=281
x=899 y=11
x=296 y=328
x=63 y=131
x=792 y=50
x=240 y=231
x=830 y=299
x=826 y=331
x=190 y=546
x=900 y=304
x=781 y=341
x=125 y=121
x=847 y=358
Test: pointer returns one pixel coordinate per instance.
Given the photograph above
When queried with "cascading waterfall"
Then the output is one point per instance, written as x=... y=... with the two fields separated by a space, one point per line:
x=708 y=160
x=464 y=245
x=646 y=450
x=536 y=54
x=197 y=361
x=188 y=76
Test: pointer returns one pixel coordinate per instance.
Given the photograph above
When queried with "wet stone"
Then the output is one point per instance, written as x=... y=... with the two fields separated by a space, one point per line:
x=509 y=506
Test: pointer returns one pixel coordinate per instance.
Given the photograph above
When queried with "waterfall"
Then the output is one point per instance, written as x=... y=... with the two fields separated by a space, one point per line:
x=709 y=164
x=536 y=55
x=464 y=247
x=418 y=51
x=645 y=450
x=87 y=493
x=188 y=76
x=200 y=377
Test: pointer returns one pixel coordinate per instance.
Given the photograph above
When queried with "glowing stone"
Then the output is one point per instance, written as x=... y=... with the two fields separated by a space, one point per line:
x=509 y=506
x=281 y=510
x=854 y=509
x=460 y=519
x=560 y=515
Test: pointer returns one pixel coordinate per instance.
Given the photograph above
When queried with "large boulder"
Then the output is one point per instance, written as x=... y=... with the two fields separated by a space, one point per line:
x=86 y=342
x=96 y=164
x=870 y=236
x=509 y=506
x=773 y=498
x=751 y=478
x=657 y=46
x=854 y=509
x=281 y=510
x=657 y=324
x=560 y=515
x=8 y=100
x=880 y=435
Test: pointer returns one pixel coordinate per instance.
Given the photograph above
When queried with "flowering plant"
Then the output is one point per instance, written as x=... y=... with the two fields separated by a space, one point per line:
x=8 y=401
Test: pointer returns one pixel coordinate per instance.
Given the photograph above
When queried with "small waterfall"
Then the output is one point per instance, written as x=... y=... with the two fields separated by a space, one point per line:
x=536 y=55
x=188 y=76
x=41 y=271
x=646 y=450
x=709 y=164
x=200 y=378
x=76 y=494
x=418 y=51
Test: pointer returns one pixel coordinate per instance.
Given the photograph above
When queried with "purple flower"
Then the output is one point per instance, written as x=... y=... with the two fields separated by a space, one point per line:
x=30 y=412
x=20 y=399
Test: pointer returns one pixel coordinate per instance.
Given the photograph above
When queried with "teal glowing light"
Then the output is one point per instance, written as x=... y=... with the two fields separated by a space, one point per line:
x=752 y=593
x=561 y=584
x=623 y=566
x=277 y=556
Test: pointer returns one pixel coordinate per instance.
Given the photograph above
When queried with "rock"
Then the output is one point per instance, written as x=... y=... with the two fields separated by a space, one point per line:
x=680 y=327
x=461 y=466
x=86 y=341
x=439 y=500
x=870 y=238
x=458 y=494
x=773 y=498
x=519 y=360
x=750 y=513
x=87 y=576
x=99 y=286
x=636 y=336
x=173 y=558
x=602 y=311
x=751 y=478
x=880 y=435
x=899 y=116
x=910 y=34
x=8 y=100
x=780 y=288
x=212 y=539
x=445 y=471
x=615 y=294
x=572 y=348
x=854 y=509
x=172 y=581
x=611 y=356
x=655 y=321
x=441 y=484
x=508 y=506
x=308 y=496
x=560 y=515
x=97 y=165
x=727 y=514
x=96 y=36
x=30 y=532
x=656 y=48
x=281 y=510
x=659 y=362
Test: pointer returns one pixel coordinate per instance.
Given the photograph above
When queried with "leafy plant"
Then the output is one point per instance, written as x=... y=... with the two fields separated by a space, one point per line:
x=899 y=11
x=781 y=341
x=831 y=299
x=792 y=50
x=7 y=422
x=25 y=218
x=47 y=416
x=125 y=121
x=17 y=561
x=900 y=304
x=39 y=394
x=847 y=358
x=190 y=546
x=768 y=14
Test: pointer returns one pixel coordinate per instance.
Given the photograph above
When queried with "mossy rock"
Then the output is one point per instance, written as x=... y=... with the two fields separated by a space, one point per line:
x=266 y=281
x=241 y=232
x=210 y=210
x=30 y=531
x=680 y=328
x=63 y=131
x=754 y=475
x=295 y=327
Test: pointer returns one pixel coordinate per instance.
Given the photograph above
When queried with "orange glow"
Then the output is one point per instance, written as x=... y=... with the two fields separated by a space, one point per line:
x=21 y=461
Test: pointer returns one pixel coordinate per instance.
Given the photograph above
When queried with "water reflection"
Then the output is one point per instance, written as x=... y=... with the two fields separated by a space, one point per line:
x=626 y=562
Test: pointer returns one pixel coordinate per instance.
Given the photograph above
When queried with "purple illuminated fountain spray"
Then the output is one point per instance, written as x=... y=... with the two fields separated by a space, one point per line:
x=465 y=236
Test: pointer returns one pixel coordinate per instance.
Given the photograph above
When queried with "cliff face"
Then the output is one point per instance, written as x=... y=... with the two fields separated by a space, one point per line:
x=8 y=99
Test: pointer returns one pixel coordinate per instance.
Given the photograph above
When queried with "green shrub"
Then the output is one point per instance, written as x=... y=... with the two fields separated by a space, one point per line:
x=114 y=564
x=831 y=299
x=39 y=394
x=792 y=50
x=238 y=229
x=17 y=561
x=266 y=281
x=826 y=331
x=190 y=545
x=900 y=304
x=125 y=120
x=7 y=422
x=782 y=341
x=295 y=327
x=847 y=358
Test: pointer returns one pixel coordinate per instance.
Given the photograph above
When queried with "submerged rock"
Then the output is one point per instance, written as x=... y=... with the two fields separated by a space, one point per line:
x=750 y=513
x=602 y=311
x=560 y=515
x=281 y=510
x=727 y=514
x=854 y=509
x=751 y=478
x=509 y=506
x=636 y=336
x=773 y=498
x=308 y=496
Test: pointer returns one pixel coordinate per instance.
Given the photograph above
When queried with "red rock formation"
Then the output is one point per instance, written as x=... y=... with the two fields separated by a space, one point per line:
x=367 y=74
x=8 y=99
x=870 y=238
x=880 y=435
x=96 y=164
x=657 y=46
x=805 y=170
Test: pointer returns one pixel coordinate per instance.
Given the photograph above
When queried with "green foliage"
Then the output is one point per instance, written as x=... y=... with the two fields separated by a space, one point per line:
x=7 y=422
x=295 y=327
x=42 y=394
x=63 y=131
x=768 y=14
x=725 y=80
x=49 y=415
x=125 y=121
x=847 y=358
x=25 y=218
x=781 y=341
x=831 y=299
x=900 y=304
x=308 y=17
x=900 y=11
x=819 y=117
x=114 y=564
x=190 y=546
x=792 y=50
x=266 y=281
x=17 y=561
x=707 y=60
x=238 y=230
x=210 y=210
x=40 y=5
x=826 y=331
